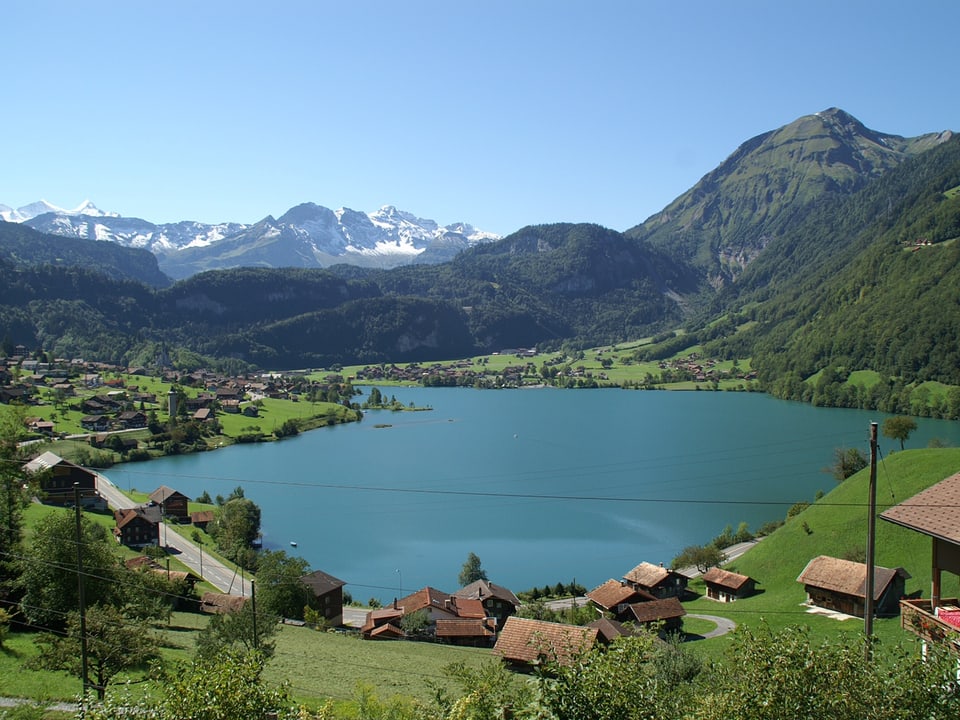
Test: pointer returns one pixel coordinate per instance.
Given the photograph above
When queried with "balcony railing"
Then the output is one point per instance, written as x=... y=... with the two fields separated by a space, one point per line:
x=918 y=616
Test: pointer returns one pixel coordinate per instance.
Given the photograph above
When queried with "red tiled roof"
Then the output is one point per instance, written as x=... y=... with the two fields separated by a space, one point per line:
x=934 y=511
x=526 y=641
x=464 y=628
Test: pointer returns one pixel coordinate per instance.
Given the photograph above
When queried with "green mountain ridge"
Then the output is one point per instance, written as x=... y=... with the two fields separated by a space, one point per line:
x=727 y=219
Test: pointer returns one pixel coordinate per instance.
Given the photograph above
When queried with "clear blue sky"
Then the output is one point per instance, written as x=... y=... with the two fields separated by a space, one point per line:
x=501 y=113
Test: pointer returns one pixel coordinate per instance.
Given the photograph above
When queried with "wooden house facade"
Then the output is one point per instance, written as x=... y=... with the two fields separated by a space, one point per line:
x=840 y=586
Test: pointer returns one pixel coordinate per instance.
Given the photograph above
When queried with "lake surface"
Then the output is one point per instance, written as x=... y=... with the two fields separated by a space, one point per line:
x=543 y=485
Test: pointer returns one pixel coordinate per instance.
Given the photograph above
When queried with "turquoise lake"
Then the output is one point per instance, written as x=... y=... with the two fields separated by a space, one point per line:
x=543 y=485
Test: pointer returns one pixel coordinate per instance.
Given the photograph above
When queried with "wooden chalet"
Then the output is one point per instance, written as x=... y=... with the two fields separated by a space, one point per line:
x=328 y=592
x=666 y=614
x=726 y=586
x=174 y=503
x=132 y=419
x=933 y=512
x=525 y=644
x=840 y=586
x=615 y=597
x=498 y=602
x=57 y=480
x=657 y=580
x=437 y=606
x=95 y=423
x=136 y=528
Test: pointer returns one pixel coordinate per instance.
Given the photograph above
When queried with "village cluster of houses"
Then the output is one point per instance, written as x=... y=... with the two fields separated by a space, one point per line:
x=110 y=403
x=485 y=614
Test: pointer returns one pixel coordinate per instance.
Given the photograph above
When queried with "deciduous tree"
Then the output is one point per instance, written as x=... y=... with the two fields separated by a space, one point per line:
x=471 y=571
x=899 y=428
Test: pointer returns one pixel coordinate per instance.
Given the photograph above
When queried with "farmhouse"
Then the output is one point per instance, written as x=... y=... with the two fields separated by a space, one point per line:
x=136 y=528
x=727 y=586
x=58 y=477
x=840 y=585
x=657 y=580
x=615 y=597
x=328 y=592
x=498 y=602
x=174 y=503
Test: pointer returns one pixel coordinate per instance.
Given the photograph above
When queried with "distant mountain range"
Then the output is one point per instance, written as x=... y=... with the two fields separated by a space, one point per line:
x=819 y=246
x=307 y=235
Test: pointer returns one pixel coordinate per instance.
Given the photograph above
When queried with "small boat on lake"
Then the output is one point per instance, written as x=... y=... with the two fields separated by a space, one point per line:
x=293 y=543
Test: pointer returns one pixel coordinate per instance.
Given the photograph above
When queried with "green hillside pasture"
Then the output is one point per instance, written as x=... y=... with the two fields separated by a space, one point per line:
x=320 y=665
x=837 y=525
x=273 y=413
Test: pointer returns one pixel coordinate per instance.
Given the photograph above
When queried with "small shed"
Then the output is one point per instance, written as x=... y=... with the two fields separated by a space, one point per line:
x=727 y=586
x=840 y=586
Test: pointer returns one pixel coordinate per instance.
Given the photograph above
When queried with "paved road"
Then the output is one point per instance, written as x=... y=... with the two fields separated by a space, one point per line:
x=187 y=552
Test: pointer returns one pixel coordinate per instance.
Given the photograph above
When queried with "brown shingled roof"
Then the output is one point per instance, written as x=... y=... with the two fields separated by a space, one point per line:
x=213 y=602
x=527 y=641
x=846 y=577
x=613 y=593
x=934 y=511
x=649 y=575
x=655 y=610
x=725 y=578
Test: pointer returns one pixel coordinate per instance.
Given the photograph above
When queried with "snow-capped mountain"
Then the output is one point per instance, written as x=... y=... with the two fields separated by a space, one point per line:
x=28 y=212
x=307 y=235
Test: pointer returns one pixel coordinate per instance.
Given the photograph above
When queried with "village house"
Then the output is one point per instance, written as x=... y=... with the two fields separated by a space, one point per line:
x=132 y=419
x=173 y=503
x=472 y=632
x=616 y=597
x=657 y=580
x=609 y=630
x=95 y=423
x=933 y=512
x=665 y=615
x=727 y=586
x=328 y=592
x=437 y=606
x=498 y=602
x=840 y=586
x=526 y=644
x=136 y=527
x=59 y=478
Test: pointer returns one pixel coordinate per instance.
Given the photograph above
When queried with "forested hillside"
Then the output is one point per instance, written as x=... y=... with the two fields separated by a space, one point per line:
x=868 y=282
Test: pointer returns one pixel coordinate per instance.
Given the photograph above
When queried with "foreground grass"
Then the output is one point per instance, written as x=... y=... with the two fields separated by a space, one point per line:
x=332 y=665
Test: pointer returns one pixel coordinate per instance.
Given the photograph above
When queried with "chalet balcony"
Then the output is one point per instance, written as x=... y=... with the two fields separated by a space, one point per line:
x=941 y=626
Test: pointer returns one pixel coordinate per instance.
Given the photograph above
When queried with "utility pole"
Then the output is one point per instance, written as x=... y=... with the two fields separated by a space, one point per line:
x=871 y=544
x=253 y=610
x=81 y=597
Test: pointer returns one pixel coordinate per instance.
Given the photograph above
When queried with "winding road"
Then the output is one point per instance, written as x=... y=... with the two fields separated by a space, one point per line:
x=190 y=554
